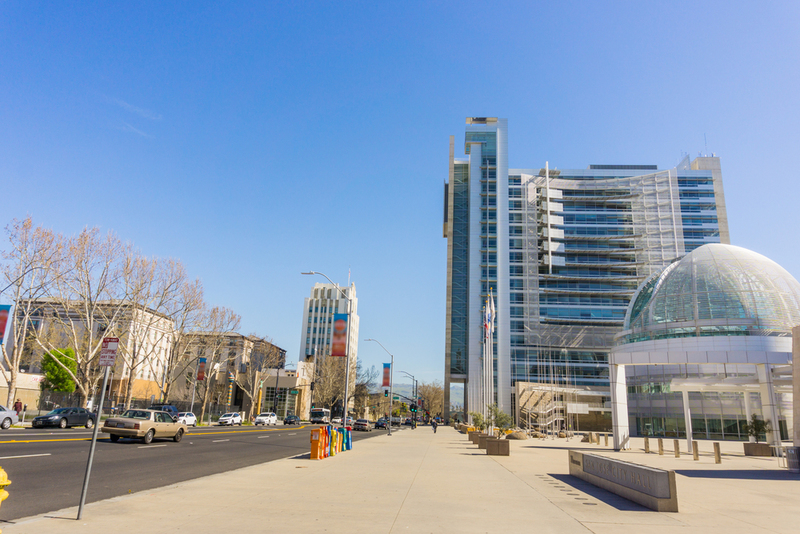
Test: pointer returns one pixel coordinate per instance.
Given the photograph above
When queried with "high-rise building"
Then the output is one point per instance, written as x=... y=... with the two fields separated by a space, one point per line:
x=316 y=336
x=562 y=251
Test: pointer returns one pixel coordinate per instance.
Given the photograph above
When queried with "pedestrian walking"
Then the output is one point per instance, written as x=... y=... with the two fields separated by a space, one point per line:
x=18 y=406
x=434 y=425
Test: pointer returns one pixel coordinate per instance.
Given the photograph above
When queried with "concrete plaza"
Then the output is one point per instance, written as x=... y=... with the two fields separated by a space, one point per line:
x=418 y=481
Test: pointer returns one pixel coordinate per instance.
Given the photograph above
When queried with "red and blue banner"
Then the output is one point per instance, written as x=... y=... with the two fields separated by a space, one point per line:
x=387 y=373
x=201 y=369
x=4 y=309
x=339 y=337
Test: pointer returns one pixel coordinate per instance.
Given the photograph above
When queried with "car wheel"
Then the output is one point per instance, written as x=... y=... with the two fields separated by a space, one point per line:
x=148 y=438
x=62 y=423
x=114 y=437
x=177 y=437
x=6 y=424
x=195 y=423
x=89 y=423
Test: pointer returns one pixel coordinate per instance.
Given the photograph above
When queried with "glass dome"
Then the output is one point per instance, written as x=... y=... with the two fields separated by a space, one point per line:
x=716 y=290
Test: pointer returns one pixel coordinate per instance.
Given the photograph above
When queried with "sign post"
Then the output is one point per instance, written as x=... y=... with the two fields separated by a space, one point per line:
x=108 y=353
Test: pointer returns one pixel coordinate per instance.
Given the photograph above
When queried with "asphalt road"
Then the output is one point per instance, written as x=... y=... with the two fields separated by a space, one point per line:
x=47 y=467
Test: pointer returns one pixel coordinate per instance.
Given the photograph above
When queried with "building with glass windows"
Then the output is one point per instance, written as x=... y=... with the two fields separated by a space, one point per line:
x=563 y=252
x=706 y=343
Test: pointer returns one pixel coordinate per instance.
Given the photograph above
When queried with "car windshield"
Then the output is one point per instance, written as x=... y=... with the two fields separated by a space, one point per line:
x=136 y=414
x=228 y=414
x=58 y=411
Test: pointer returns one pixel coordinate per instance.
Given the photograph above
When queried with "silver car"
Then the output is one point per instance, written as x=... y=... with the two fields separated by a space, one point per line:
x=7 y=418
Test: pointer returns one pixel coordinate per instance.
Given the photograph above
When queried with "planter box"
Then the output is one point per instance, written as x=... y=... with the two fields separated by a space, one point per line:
x=757 y=449
x=482 y=439
x=473 y=435
x=498 y=447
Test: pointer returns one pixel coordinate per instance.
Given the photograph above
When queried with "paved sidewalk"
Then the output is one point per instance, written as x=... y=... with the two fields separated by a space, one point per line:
x=418 y=481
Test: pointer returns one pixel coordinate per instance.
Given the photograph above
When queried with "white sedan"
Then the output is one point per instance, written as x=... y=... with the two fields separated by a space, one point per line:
x=230 y=419
x=187 y=418
x=266 y=418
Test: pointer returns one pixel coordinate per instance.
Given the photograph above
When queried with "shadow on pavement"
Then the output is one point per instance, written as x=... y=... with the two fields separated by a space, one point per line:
x=615 y=501
x=739 y=474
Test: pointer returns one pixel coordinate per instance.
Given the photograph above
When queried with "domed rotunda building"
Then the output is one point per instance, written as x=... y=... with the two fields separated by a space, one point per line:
x=700 y=338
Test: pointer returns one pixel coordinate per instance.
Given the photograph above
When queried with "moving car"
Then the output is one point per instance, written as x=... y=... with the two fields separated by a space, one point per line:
x=336 y=421
x=145 y=425
x=266 y=418
x=362 y=424
x=187 y=418
x=291 y=420
x=381 y=423
x=7 y=418
x=65 y=417
x=231 y=418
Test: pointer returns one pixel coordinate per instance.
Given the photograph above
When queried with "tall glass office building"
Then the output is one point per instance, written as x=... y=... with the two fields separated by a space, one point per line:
x=563 y=252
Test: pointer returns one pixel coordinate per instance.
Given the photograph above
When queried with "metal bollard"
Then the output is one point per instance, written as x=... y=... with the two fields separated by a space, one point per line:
x=647 y=445
x=717 y=455
x=695 y=451
x=606 y=436
x=660 y=446
x=676 y=446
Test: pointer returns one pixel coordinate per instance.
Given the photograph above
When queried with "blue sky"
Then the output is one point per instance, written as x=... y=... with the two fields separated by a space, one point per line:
x=257 y=140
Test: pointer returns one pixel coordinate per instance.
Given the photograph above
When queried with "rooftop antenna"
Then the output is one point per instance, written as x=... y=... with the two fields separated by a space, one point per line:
x=706 y=143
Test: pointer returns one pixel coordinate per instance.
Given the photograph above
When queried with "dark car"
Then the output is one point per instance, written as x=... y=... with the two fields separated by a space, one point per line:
x=381 y=423
x=169 y=408
x=291 y=420
x=65 y=417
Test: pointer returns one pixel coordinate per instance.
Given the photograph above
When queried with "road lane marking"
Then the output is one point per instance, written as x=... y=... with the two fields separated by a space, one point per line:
x=48 y=440
x=23 y=456
x=219 y=440
x=293 y=434
x=238 y=431
x=150 y=446
x=262 y=437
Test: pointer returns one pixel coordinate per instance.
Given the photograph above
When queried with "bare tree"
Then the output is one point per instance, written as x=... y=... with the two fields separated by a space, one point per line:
x=262 y=355
x=188 y=312
x=85 y=303
x=220 y=322
x=433 y=395
x=28 y=272
x=329 y=382
x=365 y=381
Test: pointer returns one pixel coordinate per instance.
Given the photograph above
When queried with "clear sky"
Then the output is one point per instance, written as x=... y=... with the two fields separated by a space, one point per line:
x=257 y=140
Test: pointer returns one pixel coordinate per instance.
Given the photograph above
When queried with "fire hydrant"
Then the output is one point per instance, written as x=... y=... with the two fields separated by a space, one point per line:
x=3 y=483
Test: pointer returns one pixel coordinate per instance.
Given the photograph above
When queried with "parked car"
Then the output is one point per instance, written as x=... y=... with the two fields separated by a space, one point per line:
x=187 y=418
x=169 y=408
x=381 y=423
x=266 y=418
x=7 y=418
x=65 y=417
x=231 y=418
x=145 y=425
x=348 y=421
x=291 y=420
x=336 y=421
x=362 y=424
x=408 y=422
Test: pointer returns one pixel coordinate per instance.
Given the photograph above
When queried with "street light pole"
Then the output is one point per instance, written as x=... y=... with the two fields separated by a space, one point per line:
x=347 y=345
x=391 y=374
x=414 y=394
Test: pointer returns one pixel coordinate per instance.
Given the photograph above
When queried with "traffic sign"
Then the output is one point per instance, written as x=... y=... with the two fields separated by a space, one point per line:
x=108 y=351
x=395 y=398
x=293 y=392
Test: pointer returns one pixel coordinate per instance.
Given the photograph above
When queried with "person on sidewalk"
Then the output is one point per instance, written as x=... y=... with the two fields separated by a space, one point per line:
x=18 y=406
x=434 y=425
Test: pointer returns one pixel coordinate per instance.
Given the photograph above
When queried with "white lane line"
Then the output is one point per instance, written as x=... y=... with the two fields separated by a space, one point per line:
x=150 y=446
x=294 y=434
x=23 y=456
x=219 y=440
x=262 y=437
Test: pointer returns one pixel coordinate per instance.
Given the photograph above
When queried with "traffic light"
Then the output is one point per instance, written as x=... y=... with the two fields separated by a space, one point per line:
x=385 y=392
x=413 y=408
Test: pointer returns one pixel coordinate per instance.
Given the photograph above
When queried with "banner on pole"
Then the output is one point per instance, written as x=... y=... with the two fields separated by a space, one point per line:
x=201 y=369
x=387 y=373
x=4 y=309
x=339 y=338
x=108 y=351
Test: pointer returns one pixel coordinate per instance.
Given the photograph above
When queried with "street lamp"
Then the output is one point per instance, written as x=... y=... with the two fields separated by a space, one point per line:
x=391 y=372
x=347 y=345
